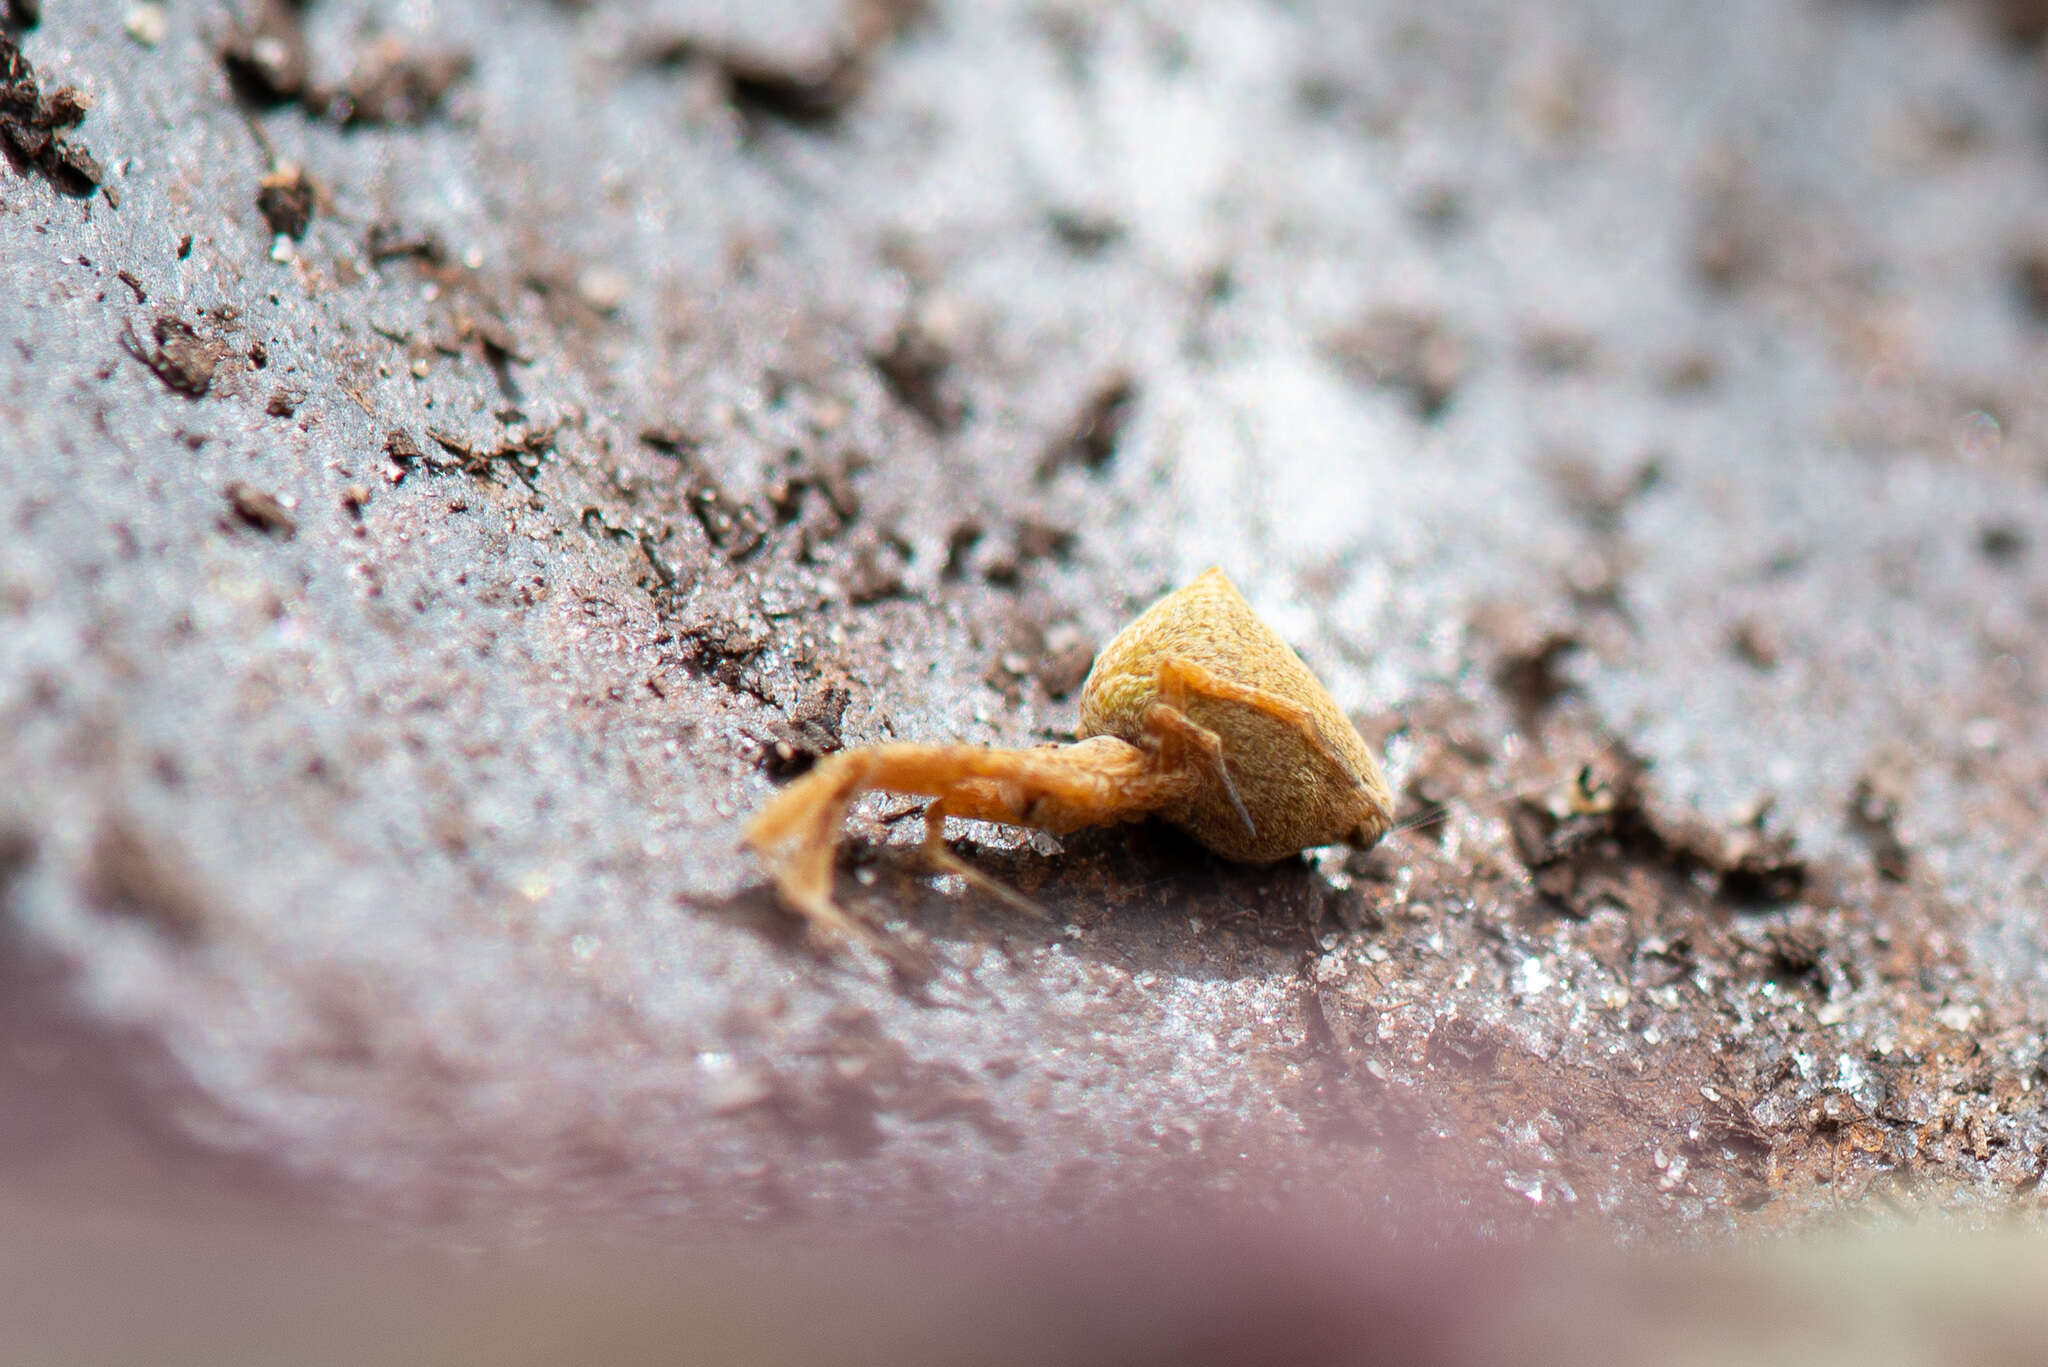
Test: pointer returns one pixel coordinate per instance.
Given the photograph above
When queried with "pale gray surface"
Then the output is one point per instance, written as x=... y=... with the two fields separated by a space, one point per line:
x=456 y=817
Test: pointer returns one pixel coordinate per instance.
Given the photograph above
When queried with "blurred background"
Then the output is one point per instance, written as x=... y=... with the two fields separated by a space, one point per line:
x=457 y=458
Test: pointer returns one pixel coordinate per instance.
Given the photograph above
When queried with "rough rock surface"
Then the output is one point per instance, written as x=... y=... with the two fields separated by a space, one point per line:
x=460 y=453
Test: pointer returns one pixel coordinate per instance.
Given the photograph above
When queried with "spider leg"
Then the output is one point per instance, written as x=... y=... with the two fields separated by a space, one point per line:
x=1186 y=736
x=1055 y=788
x=940 y=856
x=1181 y=678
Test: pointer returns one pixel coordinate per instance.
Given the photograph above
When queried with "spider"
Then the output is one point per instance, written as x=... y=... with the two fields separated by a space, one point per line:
x=1196 y=712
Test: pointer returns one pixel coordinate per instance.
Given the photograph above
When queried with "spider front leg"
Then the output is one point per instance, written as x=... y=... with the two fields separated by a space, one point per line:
x=1182 y=739
x=1181 y=679
x=1054 y=788
x=939 y=855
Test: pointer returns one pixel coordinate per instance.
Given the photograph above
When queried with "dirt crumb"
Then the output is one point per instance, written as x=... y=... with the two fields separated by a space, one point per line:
x=1601 y=500
x=266 y=57
x=1064 y=661
x=1030 y=538
x=395 y=84
x=521 y=450
x=182 y=357
x=809 y=732
x=809 y=90
x=1528 y=673
x=917 y=366
x=131 y=875
x=1689 y=372
x=2030 y=276
x=735 y=528
x=1559 y=349
x=1731 y=243
x=285 y=198
x=260 y=511
x=1086 y=234
x=1873 y=816
x=33 y=123
x=2002 y=543
x=1090 y=441
x=1411 y=351
x=2023 y=23
x=1603 y=842
x=1755 y=644
x=874 y=569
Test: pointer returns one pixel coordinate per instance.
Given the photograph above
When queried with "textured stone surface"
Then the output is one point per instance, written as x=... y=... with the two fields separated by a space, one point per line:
x=398 y=620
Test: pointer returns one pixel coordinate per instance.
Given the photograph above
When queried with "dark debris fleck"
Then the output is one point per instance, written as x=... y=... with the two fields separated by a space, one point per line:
x=285 y=198
x=1090 y=441
x=1413 y=352
x=181 y=356
x=810 y=732
x=33 y=123
x=263 y=512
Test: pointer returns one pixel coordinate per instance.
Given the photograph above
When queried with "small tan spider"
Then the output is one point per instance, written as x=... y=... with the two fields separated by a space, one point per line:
x=1197 y=712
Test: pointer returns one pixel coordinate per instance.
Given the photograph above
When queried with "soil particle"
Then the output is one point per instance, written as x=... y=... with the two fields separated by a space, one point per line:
x=2021 y=22
x=1529 y=674
x=395 y=84
x=917 y=366
x=392 y=82
x=1559 y=349
x=148 y=23
x=266 y=57
x=808 y=733
x=1873 y=816
x=1688 y=373
x=735 y=528
x=2002 y=543
x=1028 y=540
x=960 y=543
x=182 y=357
x=263 y=512
x=1090 y=441
x=2030 y=277
x=134 y=876
x=830 y=477
x=522 y=449
x=285 y=198
x=1756 y=867
x=1085 y=234
x=1731 y=242
x=1605 y=843
x=387 y=241
x=811 y=95
x=1063 y=661
x=810 y=90
x=282 y=403
x=403 y=450
x=1058 y=656
x=722 y=640
x=1412 y=351
x=1754 y=643
x=873 y=568
x=33 y=124
x=1600 y=501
